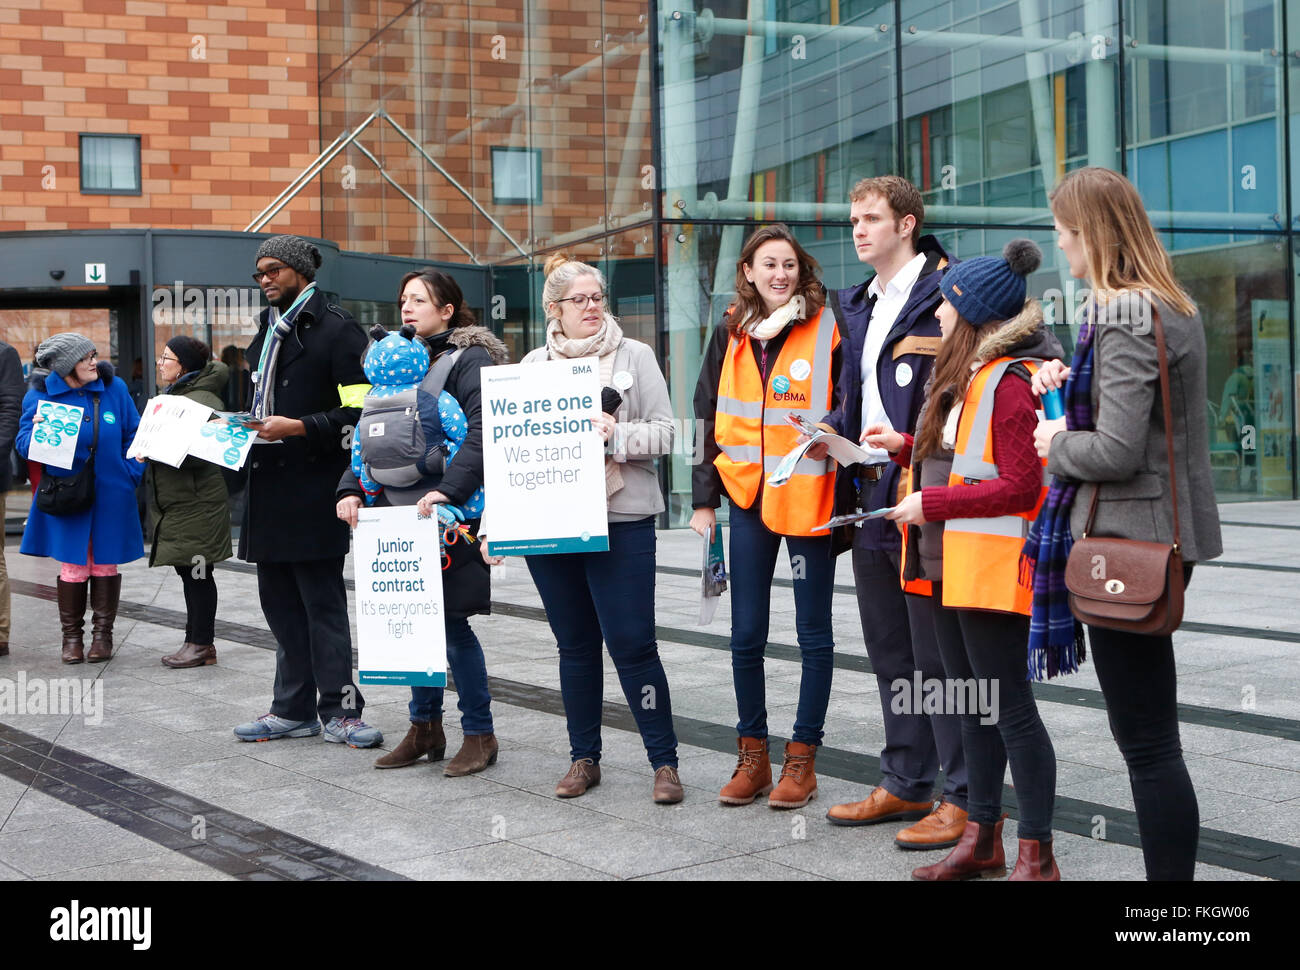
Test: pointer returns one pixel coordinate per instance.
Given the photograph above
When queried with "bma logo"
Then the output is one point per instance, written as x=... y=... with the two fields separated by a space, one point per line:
x=582 y=368
x=791 y=396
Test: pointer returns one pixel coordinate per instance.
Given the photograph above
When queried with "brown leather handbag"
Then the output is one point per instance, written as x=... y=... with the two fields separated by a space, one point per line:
x=1124 y=584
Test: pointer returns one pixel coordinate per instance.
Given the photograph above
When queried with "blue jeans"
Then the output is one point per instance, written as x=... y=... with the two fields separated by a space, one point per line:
x=592 y=597
x=465 y=660
x=753 y=562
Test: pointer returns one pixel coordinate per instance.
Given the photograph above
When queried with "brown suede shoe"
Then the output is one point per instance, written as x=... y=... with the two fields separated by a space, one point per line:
x=798 y=784
x=1035 y=863
x=422 y=738
x=476 y=753
x=668 y=787
x=191 y=655
x=879 y=806
x=583 y=774
x=941 y=829
x=977 y=856
x=72 y=617
x=753 y=774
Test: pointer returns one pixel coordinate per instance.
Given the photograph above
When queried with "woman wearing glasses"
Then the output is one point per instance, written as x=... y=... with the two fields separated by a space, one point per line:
x=89 y=543
x=609 y=596
x=188 y=504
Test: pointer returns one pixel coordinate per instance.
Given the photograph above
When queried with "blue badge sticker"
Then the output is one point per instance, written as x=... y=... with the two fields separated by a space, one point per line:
x=781 y=384
x=110 y=417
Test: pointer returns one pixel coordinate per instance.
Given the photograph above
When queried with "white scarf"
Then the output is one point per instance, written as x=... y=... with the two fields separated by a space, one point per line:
x=769 y=327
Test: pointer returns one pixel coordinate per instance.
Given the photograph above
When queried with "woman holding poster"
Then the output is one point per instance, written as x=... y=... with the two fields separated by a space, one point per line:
x=432 y=303
x=608 y=596
x=88 y=541
x=191 y=531
x=774 y=355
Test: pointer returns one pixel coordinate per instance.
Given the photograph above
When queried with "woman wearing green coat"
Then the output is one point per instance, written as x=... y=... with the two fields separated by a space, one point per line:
x=191 y=521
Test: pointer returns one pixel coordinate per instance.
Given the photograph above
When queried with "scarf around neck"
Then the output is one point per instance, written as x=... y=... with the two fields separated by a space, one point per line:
x=281 y=324
x=770 y=326
x=604 y=341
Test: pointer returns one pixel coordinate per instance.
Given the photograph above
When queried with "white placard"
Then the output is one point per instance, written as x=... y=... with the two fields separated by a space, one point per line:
x=167 y=428
x=397 y=562
x=543 y=460
x=54 y=437
x=223 y=442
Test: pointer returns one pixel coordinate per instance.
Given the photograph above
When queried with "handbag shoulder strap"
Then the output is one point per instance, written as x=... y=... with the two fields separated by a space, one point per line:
x=1162 y=355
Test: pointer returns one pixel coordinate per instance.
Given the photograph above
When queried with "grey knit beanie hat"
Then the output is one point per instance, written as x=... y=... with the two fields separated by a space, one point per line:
x=61 y=352
x=294 y=251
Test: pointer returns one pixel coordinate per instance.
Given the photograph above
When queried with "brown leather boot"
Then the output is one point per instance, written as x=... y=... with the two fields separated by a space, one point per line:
x=191 y=655
x=582 y=774
x=104 y=591
x=668 y=786
x=1035 y=863
x=72 y=617
x=422 y=738
x=753 y=774
x=798 y=784
x=977 y=856
x=478 y=751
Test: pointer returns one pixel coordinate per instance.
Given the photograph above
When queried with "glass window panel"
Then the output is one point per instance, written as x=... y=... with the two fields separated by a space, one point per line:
x=110 y=164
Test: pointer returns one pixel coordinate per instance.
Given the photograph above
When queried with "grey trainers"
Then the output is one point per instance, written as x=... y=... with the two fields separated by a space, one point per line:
x=269 y=727
x=353 y=732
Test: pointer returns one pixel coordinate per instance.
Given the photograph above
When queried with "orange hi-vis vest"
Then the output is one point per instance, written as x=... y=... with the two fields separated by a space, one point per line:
x=981 y=557
x=753 y=434
x=918 y=587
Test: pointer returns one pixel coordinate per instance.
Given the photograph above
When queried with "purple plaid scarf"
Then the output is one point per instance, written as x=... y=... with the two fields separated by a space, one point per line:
x=1056 y=643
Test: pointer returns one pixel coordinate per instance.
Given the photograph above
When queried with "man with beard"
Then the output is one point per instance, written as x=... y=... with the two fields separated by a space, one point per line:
x=307 y=390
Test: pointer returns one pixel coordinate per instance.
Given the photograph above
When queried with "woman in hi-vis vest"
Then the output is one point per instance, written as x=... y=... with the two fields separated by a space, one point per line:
x=977 y=430
x=775 y=354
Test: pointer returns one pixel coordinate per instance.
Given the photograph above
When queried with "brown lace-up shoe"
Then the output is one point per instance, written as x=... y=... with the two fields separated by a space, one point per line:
x=941 y=829
x=476 y=753
x=753 y=774
x=879 y=806
x=422 y=738
x=582 y=774
x=978 y=855
x=1034 y=863
x=798 y=784
x=668 y=787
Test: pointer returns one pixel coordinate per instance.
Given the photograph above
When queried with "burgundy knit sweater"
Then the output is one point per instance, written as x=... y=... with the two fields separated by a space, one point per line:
x=1020 y=472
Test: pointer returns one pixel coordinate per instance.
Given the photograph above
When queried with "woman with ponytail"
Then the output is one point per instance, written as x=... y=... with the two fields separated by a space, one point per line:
x=434 y=312
x=976 y=484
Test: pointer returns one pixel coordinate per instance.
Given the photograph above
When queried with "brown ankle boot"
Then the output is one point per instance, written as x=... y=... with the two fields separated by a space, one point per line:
x=104 y=592
x=72 y=617
x=191 y=655
x=478 y=751
x=753 y=774
x=798 y=784
x=422 y=738
x=978 y=855
x=1035 y=863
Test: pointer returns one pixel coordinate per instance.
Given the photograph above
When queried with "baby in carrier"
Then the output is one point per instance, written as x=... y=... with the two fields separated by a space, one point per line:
x=410 y=428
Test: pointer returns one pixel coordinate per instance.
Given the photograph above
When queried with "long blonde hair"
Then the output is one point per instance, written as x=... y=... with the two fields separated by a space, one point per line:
x=1119 y=243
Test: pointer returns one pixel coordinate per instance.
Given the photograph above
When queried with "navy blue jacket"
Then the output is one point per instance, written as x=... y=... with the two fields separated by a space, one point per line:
x=913 y=341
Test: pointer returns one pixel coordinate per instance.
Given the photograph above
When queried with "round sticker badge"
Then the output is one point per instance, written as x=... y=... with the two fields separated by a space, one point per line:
x=781 y=384
x=622 y=380
x=110 y=417
x=800 y=369
x=903 y=376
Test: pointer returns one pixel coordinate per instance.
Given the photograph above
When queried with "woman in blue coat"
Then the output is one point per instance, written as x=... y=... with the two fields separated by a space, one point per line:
x=88 y=544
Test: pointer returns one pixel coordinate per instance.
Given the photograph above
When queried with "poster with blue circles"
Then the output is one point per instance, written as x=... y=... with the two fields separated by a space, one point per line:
x=223 y=441
x=54 y=434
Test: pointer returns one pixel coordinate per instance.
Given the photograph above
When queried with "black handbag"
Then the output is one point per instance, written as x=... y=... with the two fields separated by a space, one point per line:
x=70 y=494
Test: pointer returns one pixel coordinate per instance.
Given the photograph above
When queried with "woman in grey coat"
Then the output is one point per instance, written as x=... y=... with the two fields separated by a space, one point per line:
x=1114 y=445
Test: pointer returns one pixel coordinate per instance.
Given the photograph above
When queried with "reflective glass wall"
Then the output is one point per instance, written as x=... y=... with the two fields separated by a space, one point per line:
x=651 y=138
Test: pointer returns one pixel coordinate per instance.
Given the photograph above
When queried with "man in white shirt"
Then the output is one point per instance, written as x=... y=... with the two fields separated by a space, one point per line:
x=893 y=337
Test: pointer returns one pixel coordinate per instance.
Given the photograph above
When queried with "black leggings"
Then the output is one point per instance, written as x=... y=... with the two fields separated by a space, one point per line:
x=1137 y=677
x=200 y=604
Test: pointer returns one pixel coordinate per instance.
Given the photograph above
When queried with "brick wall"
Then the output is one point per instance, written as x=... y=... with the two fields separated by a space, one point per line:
x=222 y=95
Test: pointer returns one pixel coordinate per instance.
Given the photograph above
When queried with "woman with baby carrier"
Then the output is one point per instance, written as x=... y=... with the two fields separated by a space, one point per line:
x=437 y=326
x=976 y=484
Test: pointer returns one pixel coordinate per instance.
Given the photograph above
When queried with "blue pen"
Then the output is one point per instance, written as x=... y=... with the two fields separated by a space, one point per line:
x=1052 y=406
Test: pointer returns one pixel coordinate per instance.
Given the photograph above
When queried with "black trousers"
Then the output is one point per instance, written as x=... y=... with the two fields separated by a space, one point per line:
x=200 y=603
x=306 y=607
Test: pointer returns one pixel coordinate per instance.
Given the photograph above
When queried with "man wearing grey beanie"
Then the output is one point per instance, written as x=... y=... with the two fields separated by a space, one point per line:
x=306 y=401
